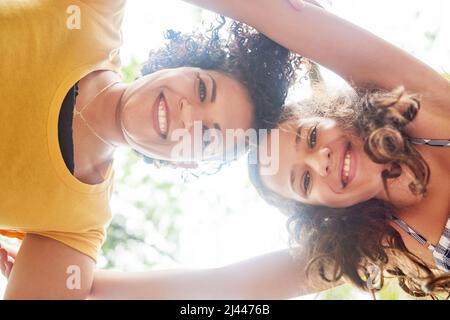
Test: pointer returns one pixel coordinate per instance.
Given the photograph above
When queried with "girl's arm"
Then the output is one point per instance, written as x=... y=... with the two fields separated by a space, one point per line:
x=357 y=55
x=271 y=276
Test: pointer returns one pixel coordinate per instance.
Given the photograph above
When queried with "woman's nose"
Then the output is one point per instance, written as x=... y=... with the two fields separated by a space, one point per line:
x=320 y=161
x=187 y=115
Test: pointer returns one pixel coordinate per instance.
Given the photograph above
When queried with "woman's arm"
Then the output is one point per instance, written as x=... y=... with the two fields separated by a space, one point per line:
x=355 y=54
x=47 y=269
x=271 y=276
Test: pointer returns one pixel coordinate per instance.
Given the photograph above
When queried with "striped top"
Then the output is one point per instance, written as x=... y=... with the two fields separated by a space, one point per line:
x=441 y=251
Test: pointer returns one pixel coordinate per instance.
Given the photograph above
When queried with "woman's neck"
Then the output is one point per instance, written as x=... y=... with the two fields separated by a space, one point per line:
x=99 y=132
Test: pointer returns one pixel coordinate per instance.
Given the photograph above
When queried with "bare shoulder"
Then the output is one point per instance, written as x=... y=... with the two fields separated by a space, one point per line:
x=48 y=269
x=433 y=119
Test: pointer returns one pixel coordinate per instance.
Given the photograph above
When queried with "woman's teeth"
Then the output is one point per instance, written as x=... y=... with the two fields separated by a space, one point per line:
x=162 y=119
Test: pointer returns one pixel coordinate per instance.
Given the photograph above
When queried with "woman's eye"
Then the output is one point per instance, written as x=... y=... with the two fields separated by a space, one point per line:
x=306 y=182
x=202 y=93
x=313 y=137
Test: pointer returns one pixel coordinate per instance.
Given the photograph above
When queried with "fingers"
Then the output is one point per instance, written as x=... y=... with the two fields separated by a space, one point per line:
x=3 y=255
x=6 y=263
x=3 y=259
x=12 y=252
x=8 y=268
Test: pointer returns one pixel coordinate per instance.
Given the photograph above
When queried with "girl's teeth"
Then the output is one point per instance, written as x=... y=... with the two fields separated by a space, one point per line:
x=346 y=171
x=346 y=168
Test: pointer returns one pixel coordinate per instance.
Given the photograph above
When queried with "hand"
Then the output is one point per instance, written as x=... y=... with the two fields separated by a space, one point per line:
x=7 y=259
x=300 y=4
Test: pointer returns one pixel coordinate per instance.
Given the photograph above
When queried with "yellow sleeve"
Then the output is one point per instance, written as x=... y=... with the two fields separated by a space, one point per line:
x=111 y=9
x=88 y=243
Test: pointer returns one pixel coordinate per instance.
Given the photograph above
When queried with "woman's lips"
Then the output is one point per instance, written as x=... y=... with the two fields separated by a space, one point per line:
x=161 y=116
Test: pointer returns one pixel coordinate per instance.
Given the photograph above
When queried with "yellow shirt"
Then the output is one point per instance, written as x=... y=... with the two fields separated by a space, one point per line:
x=45 y=48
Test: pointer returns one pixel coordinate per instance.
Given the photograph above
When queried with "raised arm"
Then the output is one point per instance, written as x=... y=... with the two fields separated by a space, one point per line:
x=358 y=56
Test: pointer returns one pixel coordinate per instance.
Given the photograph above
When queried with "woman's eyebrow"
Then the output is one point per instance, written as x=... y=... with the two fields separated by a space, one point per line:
x=214 y=88
x=298 y=134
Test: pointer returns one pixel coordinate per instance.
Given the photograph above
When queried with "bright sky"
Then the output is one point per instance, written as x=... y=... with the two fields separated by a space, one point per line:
x=252 y=228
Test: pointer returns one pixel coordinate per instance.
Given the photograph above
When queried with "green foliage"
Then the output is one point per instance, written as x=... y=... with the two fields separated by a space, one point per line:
x=131 y=71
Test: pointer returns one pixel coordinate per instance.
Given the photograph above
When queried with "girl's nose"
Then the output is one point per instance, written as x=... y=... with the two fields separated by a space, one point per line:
x=320 y=161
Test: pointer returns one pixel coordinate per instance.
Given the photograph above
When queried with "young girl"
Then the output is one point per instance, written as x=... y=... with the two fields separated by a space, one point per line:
x=364 y=190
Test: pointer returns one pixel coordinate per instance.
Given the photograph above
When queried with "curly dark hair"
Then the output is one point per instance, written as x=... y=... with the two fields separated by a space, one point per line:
x=347 y=242
x=265 y=68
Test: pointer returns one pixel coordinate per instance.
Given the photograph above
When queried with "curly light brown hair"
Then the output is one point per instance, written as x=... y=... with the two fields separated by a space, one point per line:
x=346 y=243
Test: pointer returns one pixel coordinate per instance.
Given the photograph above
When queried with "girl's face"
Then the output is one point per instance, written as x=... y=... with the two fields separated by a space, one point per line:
x=321 y=164
x=167 y=114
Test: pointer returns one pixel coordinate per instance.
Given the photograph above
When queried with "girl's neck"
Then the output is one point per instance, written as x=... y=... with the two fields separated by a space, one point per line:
x=438 y=160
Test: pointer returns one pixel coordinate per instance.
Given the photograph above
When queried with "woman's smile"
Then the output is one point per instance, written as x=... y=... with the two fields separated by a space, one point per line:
x=161 y=116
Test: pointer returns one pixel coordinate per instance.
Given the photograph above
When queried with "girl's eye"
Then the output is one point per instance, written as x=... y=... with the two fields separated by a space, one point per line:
x=202 y=93
x=306 y=181
x=312 y=139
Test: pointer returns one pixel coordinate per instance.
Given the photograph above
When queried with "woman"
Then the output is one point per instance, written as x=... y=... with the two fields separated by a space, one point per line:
x=65 y=110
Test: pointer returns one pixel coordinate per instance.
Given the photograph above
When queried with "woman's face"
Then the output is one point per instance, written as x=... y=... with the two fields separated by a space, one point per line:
x=321 y=164
x=173 y=114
